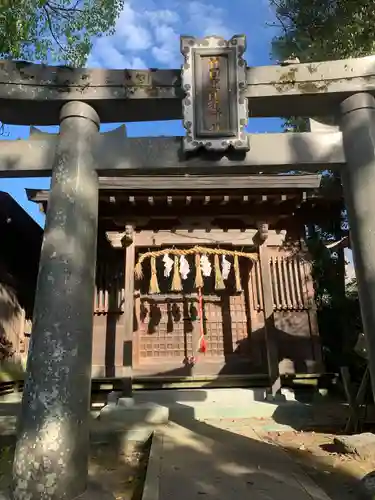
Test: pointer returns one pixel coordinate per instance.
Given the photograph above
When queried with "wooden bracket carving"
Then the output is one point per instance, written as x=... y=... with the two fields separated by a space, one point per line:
x=127 y=236
x=262 y=233
x=121 y=240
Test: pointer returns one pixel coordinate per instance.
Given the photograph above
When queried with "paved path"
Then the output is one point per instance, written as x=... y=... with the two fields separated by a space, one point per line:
x=223 y=460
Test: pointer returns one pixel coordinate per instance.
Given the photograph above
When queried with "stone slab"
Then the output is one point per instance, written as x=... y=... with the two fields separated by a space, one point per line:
x=137 y=413
x=225 y=397
x=197 y=459
x=151 y=487
x=134 y=414
x=124 y=437
x=362 y=444
x=229 y=397
x=201 y=412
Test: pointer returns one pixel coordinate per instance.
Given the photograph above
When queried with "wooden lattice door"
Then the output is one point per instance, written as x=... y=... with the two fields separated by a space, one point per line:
x=165 y=331
x=168 y=331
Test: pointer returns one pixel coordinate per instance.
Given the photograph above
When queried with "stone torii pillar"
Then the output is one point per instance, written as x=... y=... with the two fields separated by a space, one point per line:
x=51 y=458
x=358 y=179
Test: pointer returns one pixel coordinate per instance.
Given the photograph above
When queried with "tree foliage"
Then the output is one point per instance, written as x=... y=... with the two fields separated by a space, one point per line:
x=54 y=30
x=321 y=30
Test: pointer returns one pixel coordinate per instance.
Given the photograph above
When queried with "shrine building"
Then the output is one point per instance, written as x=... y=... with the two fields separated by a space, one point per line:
x=222 y=281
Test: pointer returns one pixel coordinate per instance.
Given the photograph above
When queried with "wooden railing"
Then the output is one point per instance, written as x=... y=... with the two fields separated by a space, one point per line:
x=288 y=277
x=109 y=288
x=288 y=283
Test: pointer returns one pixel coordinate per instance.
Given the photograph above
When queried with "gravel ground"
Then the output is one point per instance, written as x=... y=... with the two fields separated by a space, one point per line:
x=337 y=473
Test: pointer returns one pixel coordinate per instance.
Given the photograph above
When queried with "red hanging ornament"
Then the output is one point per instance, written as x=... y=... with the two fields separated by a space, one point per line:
x=202 y=344
x=202 y=347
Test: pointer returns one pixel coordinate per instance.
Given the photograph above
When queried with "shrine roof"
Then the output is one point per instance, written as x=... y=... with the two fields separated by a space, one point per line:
x=156 y=198
x=245 y=188
x=196 y=184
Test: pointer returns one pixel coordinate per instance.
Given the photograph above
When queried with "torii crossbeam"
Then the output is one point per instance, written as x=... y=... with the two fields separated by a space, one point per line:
x=117 y=155
x=52 y=447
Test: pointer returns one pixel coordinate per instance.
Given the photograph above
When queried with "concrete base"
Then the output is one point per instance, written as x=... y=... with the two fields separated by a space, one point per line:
x=217 y=403
x=228 y=397
x=135 y=413
x=157 y=407
x=125 y=436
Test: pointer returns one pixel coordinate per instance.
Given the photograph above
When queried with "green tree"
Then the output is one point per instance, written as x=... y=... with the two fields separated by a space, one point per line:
x=54 y=30
x=321 y=30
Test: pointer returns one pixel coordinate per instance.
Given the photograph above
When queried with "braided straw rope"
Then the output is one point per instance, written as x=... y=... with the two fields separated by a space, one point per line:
x=194 y=250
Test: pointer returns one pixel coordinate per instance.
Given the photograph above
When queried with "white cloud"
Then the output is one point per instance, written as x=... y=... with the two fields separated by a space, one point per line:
x=206 y=19
x=166 y=50
x=130 y=34
x=106 y=55
x=163 y=15
x=149 y=31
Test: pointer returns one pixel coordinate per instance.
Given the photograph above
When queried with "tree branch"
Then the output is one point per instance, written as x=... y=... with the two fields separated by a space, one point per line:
x=49 y=22
x=53 y=6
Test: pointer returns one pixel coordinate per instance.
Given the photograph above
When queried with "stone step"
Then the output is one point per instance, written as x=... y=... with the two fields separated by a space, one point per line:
x=227 y=397
x=160 y=406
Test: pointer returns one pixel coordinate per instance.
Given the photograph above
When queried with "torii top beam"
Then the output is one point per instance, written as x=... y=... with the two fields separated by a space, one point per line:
x=31 y=93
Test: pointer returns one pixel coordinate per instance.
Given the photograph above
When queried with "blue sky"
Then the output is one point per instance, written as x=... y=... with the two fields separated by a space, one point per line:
x=147 y=35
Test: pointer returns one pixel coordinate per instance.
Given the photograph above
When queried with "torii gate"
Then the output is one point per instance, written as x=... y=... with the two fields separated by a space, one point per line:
x=52 y=449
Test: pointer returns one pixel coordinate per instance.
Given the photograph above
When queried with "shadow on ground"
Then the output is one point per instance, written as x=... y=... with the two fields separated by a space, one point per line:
x=238 y=459
x=232 y=454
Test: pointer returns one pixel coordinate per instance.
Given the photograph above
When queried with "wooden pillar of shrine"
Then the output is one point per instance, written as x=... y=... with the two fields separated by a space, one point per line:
x=128 y=331
x=260 y=240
